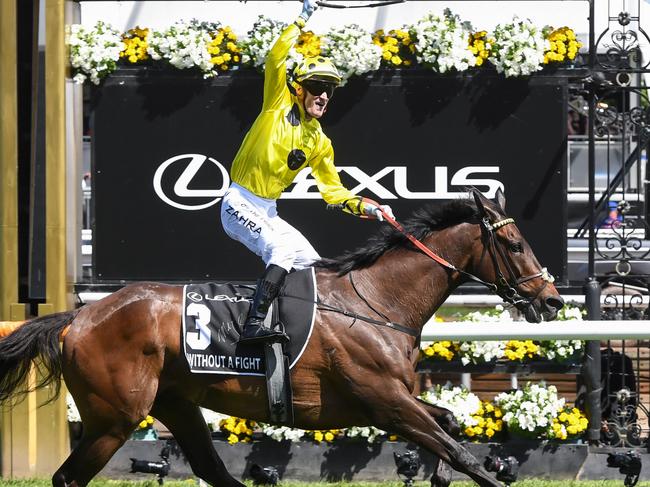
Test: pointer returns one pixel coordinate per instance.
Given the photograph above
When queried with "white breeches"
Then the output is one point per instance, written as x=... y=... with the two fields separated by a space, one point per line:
x=254 y=221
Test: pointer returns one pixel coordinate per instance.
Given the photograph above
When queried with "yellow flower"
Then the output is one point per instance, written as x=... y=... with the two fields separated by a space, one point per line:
x=318 y=436
x=329 y=436
x=143 y=424
x=489 y=432
x=232 y=439
x=392 y=438
x=469 y=431
x=429 y=352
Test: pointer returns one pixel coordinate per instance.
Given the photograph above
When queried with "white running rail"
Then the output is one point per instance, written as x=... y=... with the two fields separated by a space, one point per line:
x=552 y=330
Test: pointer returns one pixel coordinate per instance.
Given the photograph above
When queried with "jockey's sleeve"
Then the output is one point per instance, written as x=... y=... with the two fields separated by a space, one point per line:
x=275 y=68
x=329 y=183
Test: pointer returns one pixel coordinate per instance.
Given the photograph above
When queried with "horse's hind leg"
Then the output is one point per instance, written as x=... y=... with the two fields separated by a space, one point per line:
x=404 y=415
x=186 y=423
x=87 y=459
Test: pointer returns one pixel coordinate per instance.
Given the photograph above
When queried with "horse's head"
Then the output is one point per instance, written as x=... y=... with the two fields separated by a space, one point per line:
x=507 y=260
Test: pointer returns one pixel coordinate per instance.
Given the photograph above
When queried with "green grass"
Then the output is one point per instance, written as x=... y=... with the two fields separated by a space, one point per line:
x=192 y=482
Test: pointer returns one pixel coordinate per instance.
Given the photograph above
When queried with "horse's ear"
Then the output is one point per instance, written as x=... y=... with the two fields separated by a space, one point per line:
x=478 y=198
x=501 y=199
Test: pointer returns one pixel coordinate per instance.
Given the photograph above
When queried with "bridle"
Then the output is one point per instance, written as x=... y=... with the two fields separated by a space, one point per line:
x=505 y=287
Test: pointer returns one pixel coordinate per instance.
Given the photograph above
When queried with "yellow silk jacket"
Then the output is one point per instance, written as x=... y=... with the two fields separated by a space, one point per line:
x=261 y=162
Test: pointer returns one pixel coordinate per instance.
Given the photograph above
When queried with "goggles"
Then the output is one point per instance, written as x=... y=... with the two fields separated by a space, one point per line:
x=316 y=88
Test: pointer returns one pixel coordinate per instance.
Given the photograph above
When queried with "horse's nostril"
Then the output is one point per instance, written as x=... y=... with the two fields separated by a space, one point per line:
x=556 y=303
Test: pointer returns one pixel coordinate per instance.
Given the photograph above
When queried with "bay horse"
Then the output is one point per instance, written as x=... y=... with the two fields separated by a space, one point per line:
x=122 y=357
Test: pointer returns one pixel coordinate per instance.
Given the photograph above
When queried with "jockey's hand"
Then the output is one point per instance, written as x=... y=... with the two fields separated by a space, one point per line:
x=376 y=211
x=308 y=8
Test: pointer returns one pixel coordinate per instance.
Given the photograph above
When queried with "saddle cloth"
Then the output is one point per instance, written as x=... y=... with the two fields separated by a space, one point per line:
x=214 y=314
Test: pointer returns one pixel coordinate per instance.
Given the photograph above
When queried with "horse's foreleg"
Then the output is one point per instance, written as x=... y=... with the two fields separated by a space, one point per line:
x=406 y=416
x=186 y=423
x=445 y=418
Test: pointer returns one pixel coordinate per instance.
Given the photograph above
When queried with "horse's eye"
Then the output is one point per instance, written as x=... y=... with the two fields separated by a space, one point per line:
x=516 y=247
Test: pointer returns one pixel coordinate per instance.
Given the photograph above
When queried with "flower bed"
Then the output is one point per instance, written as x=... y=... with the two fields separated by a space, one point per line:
x=514 y=351
x=534 y=412
x=439 y=43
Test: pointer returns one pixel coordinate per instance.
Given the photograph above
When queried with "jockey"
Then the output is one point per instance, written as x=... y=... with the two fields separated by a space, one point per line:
x=285 y=137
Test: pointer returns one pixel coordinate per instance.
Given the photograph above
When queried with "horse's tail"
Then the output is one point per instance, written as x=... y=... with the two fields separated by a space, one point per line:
x=35 y=341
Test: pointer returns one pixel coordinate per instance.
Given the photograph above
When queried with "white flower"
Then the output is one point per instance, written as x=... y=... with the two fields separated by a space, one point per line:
x=568 y=313
x=369 y=432
x=479 y=351
x=531 y=409
x=351 y=50
x=212 y=419
x=260 y=39
x=185 y=45
x=462 y=403
x=518 y=48
x=73 y=412
x=280 y=433
x=443 y=42
x=94 y=51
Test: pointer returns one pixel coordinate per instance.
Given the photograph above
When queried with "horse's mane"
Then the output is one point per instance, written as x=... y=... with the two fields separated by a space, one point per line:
x=422 y=222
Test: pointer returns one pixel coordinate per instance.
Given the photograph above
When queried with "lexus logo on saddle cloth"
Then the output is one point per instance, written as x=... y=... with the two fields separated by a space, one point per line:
x=177 y=184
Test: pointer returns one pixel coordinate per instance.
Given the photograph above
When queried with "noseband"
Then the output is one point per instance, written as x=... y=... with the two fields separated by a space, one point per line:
x=504 y=287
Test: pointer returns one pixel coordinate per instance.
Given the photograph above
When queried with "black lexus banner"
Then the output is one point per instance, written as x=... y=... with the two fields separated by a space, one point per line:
x=163 y=143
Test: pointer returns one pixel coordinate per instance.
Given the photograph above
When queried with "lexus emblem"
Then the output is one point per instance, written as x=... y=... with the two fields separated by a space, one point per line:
x=181 y=191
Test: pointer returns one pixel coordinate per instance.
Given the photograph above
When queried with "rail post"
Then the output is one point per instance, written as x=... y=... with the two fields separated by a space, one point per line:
x=591 y=365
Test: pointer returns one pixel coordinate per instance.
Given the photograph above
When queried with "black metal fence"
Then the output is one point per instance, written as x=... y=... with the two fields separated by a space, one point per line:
x=614 y=100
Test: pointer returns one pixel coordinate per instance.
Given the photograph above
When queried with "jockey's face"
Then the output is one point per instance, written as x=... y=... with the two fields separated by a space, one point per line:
x=316 y=95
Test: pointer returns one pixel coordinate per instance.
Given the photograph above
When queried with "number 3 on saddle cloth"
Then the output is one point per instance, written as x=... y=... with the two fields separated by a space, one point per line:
x=214 y=315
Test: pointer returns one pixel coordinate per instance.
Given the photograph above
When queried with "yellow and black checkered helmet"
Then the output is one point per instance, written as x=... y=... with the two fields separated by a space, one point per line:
x=317 y=68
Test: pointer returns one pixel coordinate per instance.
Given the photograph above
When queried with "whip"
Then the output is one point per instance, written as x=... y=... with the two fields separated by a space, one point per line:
x=383 y=3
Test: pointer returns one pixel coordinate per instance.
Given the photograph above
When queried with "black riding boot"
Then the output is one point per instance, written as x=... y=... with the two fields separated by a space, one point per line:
x=268 y=287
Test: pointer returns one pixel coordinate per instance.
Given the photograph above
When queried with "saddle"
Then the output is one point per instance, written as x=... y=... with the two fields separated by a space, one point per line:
x=214 y=315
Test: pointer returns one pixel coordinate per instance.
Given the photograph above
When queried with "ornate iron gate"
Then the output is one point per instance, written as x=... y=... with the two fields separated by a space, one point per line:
x=618 y=281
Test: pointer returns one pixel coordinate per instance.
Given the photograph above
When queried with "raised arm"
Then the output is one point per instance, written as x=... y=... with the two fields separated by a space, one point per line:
x=275 y=67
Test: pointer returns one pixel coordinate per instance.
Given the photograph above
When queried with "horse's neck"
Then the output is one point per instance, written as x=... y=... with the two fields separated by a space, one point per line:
x=410 y=285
